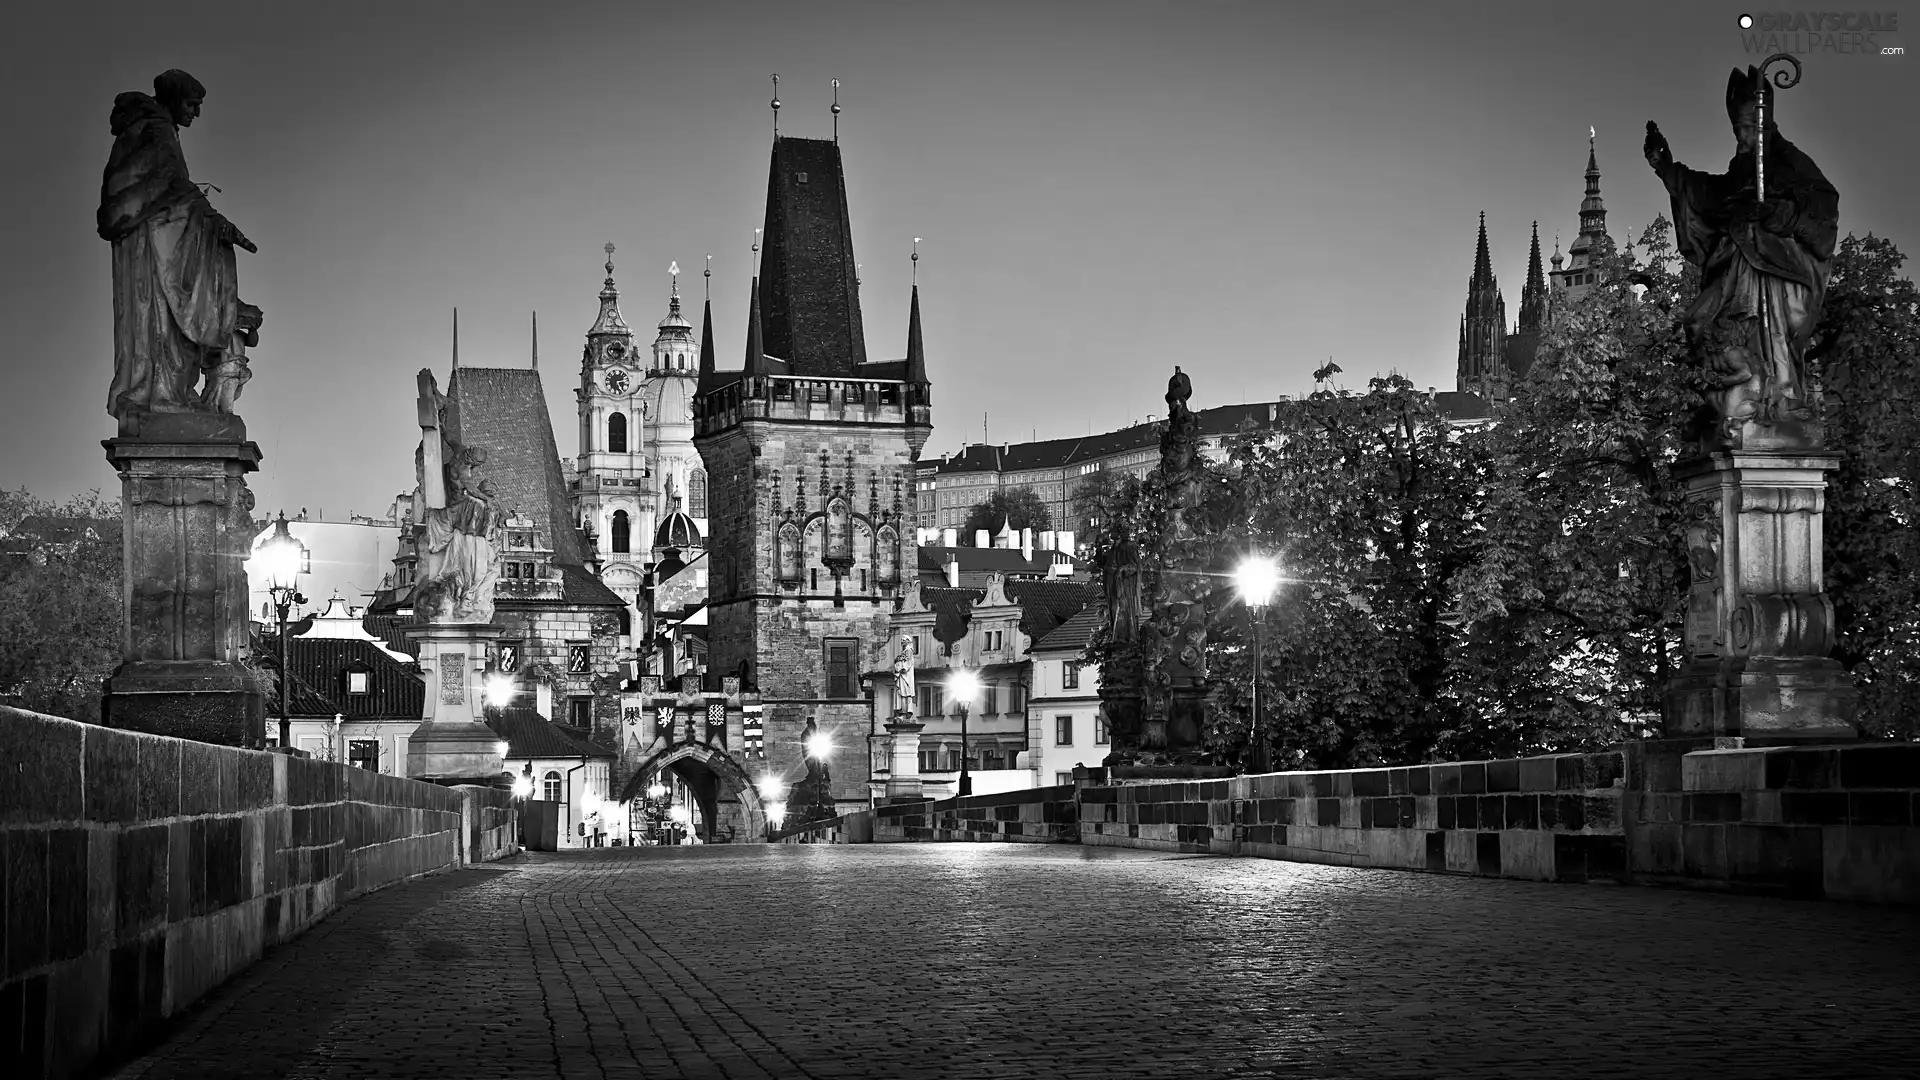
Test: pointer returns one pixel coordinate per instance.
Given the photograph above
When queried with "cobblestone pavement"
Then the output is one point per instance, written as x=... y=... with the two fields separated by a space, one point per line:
x=973 y=960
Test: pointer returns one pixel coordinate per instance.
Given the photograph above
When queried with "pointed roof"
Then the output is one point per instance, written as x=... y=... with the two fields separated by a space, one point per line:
x=755 y=362
x=812 y=292
x=916 y=353
x=504 y=412
x=610 y=321
x=1533 y=295
x=708 y=370
x=1482 y=262
x=1593 y=211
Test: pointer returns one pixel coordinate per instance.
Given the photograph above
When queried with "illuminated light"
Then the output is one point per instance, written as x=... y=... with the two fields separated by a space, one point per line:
x=772 y=787
x=963 y=686
x=500 y=748
x=683 y=815
x=777 y=812
x=522 y=786
x=819 y=745
x=499 y=690
x=1256 y=579
x=656 y=790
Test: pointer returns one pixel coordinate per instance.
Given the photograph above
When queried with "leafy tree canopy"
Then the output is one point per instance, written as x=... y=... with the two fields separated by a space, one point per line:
x=59 y=603
x=1018 y=505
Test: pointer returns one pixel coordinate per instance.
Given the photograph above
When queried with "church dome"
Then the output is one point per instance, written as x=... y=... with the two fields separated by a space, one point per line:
x=677 y=530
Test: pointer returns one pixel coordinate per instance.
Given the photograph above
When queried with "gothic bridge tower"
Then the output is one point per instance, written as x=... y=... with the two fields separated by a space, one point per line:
x=809 y=451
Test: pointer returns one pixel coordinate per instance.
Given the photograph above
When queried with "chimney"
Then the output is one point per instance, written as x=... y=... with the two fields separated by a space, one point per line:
x=1273 y=412
x=950 y=537
x=543 y=699
x=1046 y=541
x=953 y=571
x=982 y=538
x=1066 y=541
x=1026 y=544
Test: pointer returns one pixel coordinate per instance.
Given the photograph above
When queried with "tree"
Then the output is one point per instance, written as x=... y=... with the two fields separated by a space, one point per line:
x=1018 y=505
x=1572 y=605
x=1096 y=497
x=60 y=605
x=1368 y=503
x=1867 y=349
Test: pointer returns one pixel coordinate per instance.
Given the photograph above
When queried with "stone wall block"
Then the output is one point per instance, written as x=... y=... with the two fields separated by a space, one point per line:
x=1887 y=766
x=1527 y=854
x=199 y=778
x=78 y=995
x=1815 y=768
x=1880 y=864
x=158 y=778
x=179 y=870
x=103 y=888
x=40 y=768
x=111 y=772
x=1503 y=776
x=1539 y=773
x=1705 y=848
x=26 y=900
x=68 y=899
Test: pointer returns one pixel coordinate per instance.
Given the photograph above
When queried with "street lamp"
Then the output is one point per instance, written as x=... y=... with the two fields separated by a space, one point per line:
x=279 y=558
x=1255 y=579
x=964 y=686
x=819 y=747
x=773 y=792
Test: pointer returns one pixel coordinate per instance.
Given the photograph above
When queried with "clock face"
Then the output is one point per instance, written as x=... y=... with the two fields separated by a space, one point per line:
x=617 y=381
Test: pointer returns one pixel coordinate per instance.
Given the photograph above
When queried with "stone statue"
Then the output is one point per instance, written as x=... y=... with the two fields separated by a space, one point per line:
x=176 y=310
x=1764 y=265
x=905 y=702
x=454 y=521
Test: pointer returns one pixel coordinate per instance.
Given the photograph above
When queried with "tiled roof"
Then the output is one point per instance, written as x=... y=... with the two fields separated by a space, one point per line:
x=504 y=411
x=530 y=735
x=933 y=560
x=1074 y=634
x=579 y=588
x=394 y=689
x=1046 y=604
x=1214 y=423
x=391 y=628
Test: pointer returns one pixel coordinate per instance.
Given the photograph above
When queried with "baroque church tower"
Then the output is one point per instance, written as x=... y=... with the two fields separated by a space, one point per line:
x=613 y=485
x=1579 y=274
x=666 y=398
x=810 y=449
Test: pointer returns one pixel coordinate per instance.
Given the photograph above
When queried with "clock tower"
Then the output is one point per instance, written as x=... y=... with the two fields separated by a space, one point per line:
x=613 y=485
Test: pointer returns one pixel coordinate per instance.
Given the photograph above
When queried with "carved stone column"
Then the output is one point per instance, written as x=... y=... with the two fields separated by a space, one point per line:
x=1759 y=625
x=453 y=745
x=903 y=767
x=188 y=529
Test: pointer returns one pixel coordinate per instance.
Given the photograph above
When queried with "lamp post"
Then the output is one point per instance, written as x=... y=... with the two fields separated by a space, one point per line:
x=773 y=792
x=1255 y=579
x=280 y=558
x=656 y=806
x=819 y=748
x=964 y=685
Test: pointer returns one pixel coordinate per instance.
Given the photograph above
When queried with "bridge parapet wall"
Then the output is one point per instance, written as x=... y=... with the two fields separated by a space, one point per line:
x=1839 y=822
x=1048 y=815
x=1551 y=818
x=139 y=872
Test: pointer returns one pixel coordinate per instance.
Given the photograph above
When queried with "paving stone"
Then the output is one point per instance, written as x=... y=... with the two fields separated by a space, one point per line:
x=992 y=960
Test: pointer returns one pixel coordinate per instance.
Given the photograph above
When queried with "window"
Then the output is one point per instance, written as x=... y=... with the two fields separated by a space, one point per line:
x=697 y=493
x=579 y=658
x=626 y=622
x=580 y=712
x=1063 y=778
x=1063 y=731
x=364 y=754
x=550 y=787
x=356 y=682
x=513 y=571
x=1100 y=731
x=622 y=533
x=989 y=697
x=527 y=571
x=1017 y=692
x=930 y=761
x=507 y=656
x=839 y=656
x=617 y=433
x=1070 y=676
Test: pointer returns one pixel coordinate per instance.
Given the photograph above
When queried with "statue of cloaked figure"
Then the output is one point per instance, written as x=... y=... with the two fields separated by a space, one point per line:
x=455 y=519
x=1763 y=264
x=176 y=310
x=904 y=700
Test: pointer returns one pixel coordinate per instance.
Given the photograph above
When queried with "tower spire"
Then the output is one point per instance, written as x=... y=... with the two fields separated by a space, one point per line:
x=836 y=111
x=673 y=299
x=1482 y=262
x=756 y=348
x=776 y=105
x=916 y=352
x=1483 y=331
x=708 y=369
x=1533 y=298
x=1593 y=210
x=536 y=341
x=456 y=337
x=610 y=320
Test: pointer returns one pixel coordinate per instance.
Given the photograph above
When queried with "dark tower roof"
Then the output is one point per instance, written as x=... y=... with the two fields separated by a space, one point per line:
x=1482 y=262
x=812 y=296
x=504 y=411
x=1483 y=331
x=677 y=531
x=707 y=368
x=916 y=353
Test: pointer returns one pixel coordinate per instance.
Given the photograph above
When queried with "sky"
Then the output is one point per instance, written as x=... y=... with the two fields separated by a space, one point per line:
x=1102 y=190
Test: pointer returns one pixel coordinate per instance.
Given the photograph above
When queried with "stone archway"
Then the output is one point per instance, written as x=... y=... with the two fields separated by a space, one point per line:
x=727 y=798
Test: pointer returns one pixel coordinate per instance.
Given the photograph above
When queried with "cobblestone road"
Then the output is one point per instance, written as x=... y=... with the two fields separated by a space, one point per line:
x=962 y=960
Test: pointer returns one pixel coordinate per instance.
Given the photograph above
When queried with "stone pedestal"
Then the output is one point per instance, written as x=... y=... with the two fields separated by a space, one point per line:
x=188 y=530
x=453 y=745
x=903 y=766
x=1759 y=624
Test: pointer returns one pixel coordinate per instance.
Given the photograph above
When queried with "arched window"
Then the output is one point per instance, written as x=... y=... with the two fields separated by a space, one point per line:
x=697 y=493
x=551 y=787
x=617 y=433
x=626 y=622
x=622 y=533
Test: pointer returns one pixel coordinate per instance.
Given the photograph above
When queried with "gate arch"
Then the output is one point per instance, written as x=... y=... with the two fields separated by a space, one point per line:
x=726 y=771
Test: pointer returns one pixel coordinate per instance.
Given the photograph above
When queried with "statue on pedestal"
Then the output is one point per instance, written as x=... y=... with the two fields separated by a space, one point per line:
x=904 y=699
x=455 y=517
x=1762 y=234
x=176 y=309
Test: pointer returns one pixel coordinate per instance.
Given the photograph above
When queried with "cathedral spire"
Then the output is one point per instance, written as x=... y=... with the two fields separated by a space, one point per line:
x=1482 y=263
x=1481 y=366
x=1533 y=295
